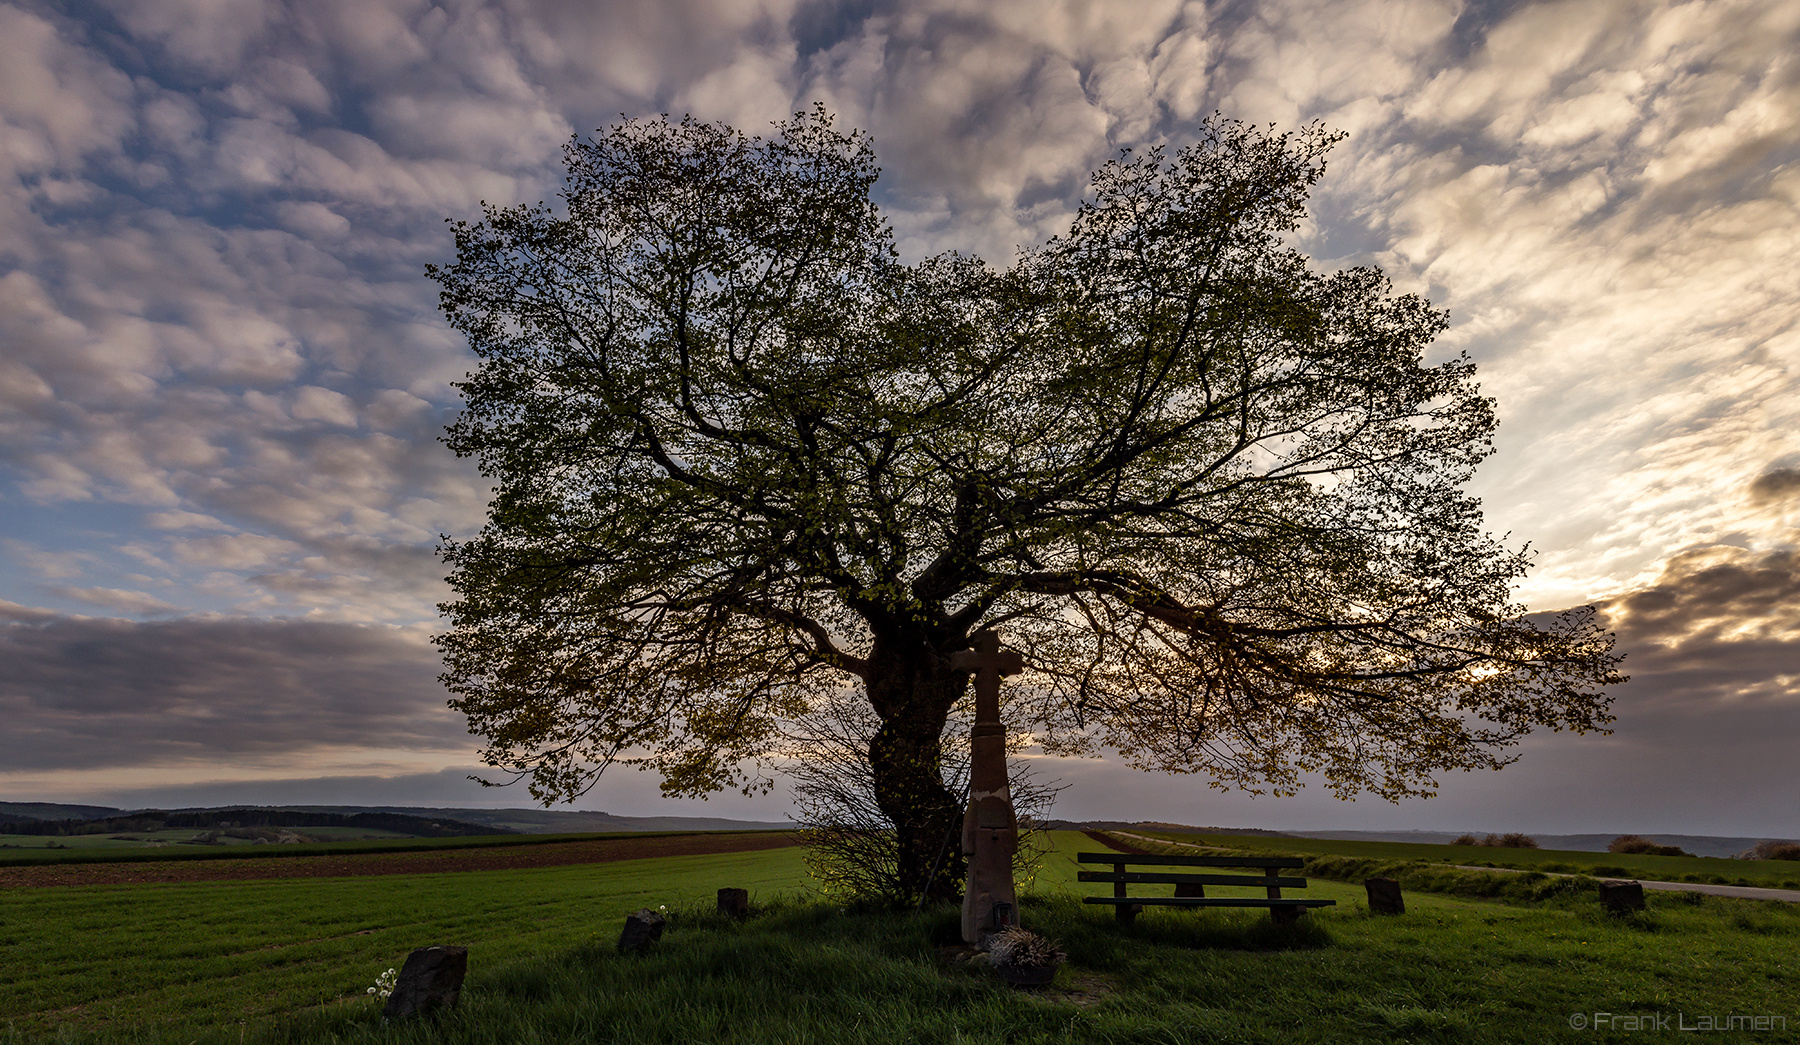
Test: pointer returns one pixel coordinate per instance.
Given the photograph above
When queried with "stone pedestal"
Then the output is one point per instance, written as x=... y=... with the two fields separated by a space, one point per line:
x=1384 y=896
x=430 y=981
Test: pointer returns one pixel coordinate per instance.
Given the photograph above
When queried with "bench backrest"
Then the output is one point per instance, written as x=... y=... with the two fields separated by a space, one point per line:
x=1190 y=861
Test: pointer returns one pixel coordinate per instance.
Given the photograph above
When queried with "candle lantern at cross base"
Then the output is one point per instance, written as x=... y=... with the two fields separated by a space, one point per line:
x=990 y=830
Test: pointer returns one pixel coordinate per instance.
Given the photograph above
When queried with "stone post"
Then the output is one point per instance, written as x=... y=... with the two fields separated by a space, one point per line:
x=430 y=981
x=990 y=830
x=1622 y=897
x=1384 y=896
x=642 y=928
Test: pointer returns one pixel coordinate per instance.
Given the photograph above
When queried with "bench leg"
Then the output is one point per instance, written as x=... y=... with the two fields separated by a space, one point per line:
x=1279 y=915
x=1126 y=913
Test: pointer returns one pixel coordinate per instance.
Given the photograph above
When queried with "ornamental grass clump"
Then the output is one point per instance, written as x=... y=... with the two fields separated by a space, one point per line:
x=1018 y=948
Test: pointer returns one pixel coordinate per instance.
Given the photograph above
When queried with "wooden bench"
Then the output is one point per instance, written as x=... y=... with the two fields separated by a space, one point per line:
x=1190 y=889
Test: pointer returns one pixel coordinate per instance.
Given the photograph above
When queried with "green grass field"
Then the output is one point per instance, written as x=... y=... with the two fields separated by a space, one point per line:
x=287 y=961
x=218 y=952
x=1780 y=874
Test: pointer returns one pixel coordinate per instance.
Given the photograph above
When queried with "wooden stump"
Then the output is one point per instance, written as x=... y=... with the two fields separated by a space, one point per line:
x=430 y=981
x=1384 y=896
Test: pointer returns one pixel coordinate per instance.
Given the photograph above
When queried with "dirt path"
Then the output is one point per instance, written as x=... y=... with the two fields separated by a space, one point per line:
x=1111 y=841
x=489 y=858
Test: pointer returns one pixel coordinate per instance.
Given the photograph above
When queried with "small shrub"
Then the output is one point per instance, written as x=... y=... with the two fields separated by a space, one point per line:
x=1772 y=850
x=1640 y=844
x=1514 y=840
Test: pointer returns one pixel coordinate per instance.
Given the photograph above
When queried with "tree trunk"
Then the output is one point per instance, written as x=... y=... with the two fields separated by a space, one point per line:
x=912 y=689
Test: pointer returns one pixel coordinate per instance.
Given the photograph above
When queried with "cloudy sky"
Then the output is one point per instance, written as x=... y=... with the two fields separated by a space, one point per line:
x=222 y=375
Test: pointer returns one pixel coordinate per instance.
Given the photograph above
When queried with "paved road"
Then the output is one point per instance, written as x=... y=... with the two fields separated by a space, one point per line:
x=1747 y=892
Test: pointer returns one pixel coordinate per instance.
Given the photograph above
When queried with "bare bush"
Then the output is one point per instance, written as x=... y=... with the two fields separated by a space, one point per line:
x=1466 y=840
x=852 y=848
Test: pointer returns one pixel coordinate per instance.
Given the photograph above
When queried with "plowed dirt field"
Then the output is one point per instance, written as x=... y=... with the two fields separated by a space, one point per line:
x=488 y=858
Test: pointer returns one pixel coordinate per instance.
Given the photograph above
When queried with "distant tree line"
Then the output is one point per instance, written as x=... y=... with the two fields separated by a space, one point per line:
x=208 y=819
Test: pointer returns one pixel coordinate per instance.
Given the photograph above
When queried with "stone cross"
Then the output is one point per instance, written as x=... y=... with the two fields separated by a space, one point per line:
x=990 y=830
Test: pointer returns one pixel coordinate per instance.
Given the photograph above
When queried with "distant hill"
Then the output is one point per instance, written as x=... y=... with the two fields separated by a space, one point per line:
x=454 y=821
x=18 y=812
x=237 y=817
x=567 y=821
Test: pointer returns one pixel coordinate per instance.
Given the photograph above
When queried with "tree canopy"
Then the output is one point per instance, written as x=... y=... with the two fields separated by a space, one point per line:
x=745 y=455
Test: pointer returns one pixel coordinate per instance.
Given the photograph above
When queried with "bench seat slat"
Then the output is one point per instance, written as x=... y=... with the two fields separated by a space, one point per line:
x=1165 y=878
x=1191 y=861
x=1207 y=901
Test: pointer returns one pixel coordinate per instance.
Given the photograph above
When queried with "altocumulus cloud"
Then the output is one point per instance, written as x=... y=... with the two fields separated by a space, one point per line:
x=222 y=377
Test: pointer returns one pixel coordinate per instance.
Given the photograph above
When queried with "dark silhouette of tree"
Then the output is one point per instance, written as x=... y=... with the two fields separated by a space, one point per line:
x=743 y=454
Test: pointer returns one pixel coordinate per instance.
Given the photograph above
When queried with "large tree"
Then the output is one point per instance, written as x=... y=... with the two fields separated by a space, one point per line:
x=743 y=454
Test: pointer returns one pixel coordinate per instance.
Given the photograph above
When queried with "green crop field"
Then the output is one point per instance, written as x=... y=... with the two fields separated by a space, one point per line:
x=218 y=952
x=186 y=963
x=127 y=851
x=1780 y=874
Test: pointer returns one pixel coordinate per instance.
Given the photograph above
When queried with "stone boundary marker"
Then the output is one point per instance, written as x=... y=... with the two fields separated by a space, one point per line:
x=642 y=928
x=430 y=981
x=1622 y=897
x=1384 y=896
